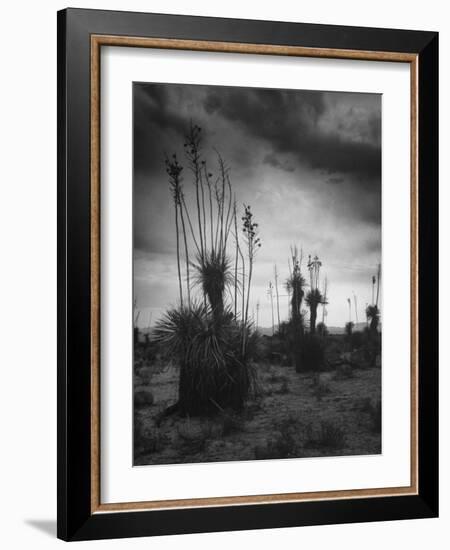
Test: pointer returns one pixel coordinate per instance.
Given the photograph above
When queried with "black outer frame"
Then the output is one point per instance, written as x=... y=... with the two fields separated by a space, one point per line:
x=75 y=521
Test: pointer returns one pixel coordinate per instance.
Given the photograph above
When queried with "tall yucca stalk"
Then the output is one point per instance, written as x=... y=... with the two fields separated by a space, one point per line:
x=174 y=169
x=253 y=243
x=275 y=275
x=192 y=147
x=236 y=257
x=314 y=298
x=295 y=285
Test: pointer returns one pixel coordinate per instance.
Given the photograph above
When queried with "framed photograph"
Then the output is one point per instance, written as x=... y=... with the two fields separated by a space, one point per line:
x=247 y=254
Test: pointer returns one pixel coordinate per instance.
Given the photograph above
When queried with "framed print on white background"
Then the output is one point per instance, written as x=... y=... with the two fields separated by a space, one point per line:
x=244 y=313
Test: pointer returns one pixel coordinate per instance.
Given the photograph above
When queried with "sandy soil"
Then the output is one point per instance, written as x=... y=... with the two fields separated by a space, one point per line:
x=293 y=415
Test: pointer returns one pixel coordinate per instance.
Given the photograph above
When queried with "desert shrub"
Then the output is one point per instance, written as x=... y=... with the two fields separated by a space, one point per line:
x=274 y=378
x=311 y=354
x=283 y=445
x=320 y=388
x=213 y=374
x=358 y=339
x=349 y=331
x=322 y=329
x=150 y=350
x=344 y=372
x=328 y=435
x=277 y=344
x=194 y=440
x=313 y=299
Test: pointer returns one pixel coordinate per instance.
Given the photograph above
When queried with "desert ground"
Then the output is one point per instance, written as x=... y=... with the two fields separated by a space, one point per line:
x=335 y=412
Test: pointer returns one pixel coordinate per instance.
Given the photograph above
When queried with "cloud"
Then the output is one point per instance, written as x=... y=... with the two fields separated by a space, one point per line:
x=274 y=161
x=343 y=140
x=308 y=162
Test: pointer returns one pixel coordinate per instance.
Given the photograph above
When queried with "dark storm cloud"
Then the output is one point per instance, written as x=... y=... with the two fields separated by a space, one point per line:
x=335 y=180
x=154 y=119
x=291 y=122
x=274 y=161
x=305 y=124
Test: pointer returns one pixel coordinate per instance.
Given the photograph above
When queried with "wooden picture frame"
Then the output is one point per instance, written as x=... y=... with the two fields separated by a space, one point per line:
x=81 y=35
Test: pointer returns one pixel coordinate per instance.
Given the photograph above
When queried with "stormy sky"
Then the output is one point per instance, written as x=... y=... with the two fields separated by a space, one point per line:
x=308 y=163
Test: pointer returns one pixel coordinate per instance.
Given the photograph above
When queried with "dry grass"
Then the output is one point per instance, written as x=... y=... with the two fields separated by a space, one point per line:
x=274 y=424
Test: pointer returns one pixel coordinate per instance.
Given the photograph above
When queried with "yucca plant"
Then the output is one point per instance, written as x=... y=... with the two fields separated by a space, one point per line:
x=349 y=329
x=322 y=329
x=373 y=316
x=373 y=341
x=295 y=286
x=211 y=342
x=213 y=375
x=313 y=299
x=311 y=353
x=213 y=274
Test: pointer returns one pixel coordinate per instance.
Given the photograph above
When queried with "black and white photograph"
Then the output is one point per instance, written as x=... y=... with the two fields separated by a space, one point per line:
x=257 y=273
x=222 y=309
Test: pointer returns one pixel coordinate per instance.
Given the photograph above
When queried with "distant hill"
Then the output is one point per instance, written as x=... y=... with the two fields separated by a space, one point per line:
x=341 y=330
x=267 y=331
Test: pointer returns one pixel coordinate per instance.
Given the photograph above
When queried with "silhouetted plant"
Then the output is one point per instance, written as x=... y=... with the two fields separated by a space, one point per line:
x=373 y=316
x=214 y=275
x=358 y=339
x=349 y=329
x=253 y=243
x=312 y=353
x=174 y=169
x=213 y=375
x=328 y=435
x=322 y=329
x=313 y=299
x=295 y=286
x=211 y=343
